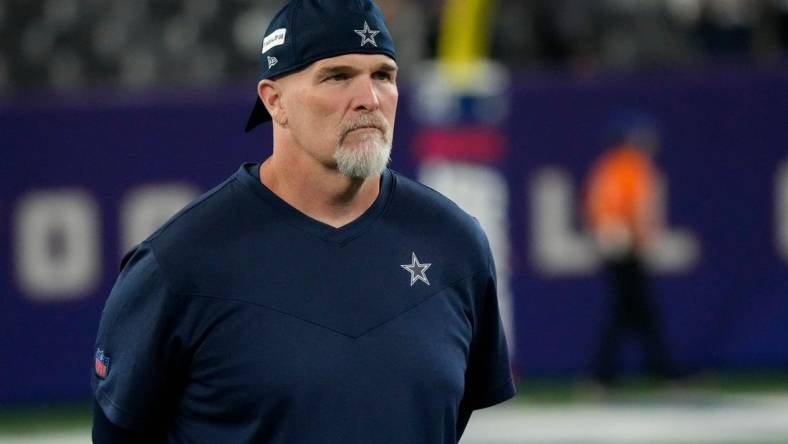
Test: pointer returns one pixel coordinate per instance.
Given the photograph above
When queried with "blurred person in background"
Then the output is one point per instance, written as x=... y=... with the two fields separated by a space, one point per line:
x=318 y=296
x=621 y=209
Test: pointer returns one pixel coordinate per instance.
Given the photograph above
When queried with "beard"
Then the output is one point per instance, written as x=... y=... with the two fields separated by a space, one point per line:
x=368 y=153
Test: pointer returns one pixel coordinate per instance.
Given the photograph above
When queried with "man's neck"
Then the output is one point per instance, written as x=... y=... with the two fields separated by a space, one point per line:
x=322 y=194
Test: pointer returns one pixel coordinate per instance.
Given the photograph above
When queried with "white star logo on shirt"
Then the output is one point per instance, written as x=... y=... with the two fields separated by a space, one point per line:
x=417 y=270
x=367 y=35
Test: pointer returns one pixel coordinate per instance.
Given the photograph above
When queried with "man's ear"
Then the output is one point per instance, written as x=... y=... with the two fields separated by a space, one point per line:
x=270 y=94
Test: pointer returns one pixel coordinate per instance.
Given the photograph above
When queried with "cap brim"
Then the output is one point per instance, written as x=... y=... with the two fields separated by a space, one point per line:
x=259 y=115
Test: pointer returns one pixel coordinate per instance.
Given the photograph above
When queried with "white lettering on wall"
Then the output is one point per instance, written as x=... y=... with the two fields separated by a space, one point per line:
x=57 y=249
x=677 y=249
x=558 y=248
x=781 y=210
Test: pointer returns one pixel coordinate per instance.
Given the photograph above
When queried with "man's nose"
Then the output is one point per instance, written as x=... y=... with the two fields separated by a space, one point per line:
x=365 y=96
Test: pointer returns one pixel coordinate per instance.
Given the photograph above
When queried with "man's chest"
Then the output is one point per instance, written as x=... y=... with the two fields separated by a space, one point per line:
x=338 y=344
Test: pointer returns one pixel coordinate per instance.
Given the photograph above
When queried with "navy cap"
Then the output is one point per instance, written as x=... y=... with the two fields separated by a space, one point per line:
x=306 y=31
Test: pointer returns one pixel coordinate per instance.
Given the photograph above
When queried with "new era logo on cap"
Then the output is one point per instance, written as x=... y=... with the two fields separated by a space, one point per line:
x=272 y=61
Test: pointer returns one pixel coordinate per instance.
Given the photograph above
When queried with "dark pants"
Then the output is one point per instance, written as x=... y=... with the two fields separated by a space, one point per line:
x=631 y=312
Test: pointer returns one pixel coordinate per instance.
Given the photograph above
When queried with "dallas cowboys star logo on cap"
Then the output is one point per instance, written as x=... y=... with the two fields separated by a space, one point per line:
x=417 y=270
x=367 y=35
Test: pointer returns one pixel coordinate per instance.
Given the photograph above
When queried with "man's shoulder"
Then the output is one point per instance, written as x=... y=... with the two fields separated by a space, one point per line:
x=205 y=226
x=435 y=214
x=424 y=198
x=201 y=217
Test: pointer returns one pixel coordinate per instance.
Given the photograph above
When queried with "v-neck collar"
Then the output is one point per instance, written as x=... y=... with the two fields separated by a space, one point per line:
x=248 y=175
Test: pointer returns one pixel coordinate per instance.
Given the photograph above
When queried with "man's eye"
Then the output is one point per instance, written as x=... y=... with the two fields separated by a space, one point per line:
x=337 y=77
x=383 y=75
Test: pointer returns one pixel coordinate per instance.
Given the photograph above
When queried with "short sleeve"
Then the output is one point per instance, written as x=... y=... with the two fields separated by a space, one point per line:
x=488 y=377
x=136 y=350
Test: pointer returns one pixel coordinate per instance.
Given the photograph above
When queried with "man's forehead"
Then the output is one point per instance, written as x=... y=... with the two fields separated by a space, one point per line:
x=360 y=61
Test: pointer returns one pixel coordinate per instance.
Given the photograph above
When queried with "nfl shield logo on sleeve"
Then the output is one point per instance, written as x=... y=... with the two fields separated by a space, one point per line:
x=101 y=364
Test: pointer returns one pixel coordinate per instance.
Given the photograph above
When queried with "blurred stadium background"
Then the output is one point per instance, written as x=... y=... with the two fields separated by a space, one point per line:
x=115 y=113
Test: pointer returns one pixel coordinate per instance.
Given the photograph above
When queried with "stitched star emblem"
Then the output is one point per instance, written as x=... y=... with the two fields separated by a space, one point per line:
x=367 y=35
x=417 y=270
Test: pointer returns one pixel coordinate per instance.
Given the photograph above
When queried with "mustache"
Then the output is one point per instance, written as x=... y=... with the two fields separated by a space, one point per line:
x=365 y=121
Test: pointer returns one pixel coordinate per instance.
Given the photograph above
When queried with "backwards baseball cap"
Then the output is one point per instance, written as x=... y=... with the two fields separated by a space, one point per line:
x=306 y=31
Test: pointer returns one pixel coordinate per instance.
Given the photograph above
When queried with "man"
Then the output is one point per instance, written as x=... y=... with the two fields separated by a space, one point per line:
x=623 y=215
x=318 y=297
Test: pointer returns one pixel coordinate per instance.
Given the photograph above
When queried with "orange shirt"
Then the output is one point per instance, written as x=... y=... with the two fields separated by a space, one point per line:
x=622 y=190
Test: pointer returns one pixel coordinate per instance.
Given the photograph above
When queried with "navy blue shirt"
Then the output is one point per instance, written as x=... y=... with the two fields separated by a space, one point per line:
x=243 y=320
